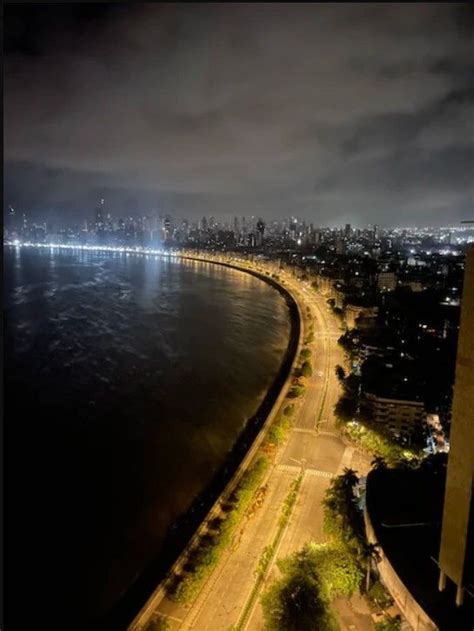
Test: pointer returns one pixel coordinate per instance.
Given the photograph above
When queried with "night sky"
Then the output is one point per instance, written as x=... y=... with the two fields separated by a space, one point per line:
x=332 y=113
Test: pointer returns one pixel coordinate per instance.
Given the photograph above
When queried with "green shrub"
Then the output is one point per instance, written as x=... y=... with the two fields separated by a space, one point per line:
x=290 y=501
x=305 y=353
x=340 y=573
x=379 y=595
x=159 y=624
x=279 y=430
x=389 y=624
x=203 y=558
x=372 y=440
x=296 y=391
x=264 y=560
x=306 y=369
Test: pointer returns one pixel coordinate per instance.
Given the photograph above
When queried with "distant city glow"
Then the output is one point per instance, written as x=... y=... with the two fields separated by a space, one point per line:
x=94 y=248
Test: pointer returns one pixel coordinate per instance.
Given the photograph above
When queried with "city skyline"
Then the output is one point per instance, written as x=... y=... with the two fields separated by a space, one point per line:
x=102 y=226
x=239 y=302
x=349 y=114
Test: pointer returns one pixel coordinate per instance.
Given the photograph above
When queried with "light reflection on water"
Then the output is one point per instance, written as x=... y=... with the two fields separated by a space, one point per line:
x=143 y=371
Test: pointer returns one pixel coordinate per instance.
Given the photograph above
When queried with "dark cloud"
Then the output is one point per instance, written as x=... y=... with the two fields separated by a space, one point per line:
x=329 y=112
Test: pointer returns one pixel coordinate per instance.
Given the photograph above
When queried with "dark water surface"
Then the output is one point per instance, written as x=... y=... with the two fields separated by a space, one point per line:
x=127 y=380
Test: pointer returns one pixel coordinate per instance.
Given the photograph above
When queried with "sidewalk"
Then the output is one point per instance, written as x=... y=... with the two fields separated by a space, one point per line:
x=353 y=613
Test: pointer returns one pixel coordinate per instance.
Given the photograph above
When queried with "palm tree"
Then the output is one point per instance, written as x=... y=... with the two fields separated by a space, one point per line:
x=369 y=553
x=349 y=479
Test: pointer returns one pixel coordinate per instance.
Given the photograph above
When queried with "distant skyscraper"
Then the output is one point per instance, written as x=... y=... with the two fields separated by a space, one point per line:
x=340 y=246
x=167 y=228
x=99 y=216
x=11 y=218
x=260 y=231
x=185 y=228
x=24 y=225
x=457 y=526
x=347 y=230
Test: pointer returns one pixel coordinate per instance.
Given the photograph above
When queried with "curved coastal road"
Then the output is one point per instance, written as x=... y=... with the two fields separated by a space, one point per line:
x=315 y=450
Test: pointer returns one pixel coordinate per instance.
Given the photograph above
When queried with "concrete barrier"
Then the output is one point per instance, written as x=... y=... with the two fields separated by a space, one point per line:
x=413 y=612
x=159 y=593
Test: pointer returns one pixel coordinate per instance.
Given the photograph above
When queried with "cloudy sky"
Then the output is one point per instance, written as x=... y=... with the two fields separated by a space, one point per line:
x=328 y=112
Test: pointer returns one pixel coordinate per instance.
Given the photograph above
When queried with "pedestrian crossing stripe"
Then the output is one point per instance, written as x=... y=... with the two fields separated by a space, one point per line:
x=308 y=470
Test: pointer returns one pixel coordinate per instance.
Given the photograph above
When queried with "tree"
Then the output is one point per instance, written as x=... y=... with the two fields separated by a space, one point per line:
x=349 y=479
x=345 y=409
x=296 y=602
x=348 y=341
x=306 y=369
x=338 y=569
x=369 y=554
x=340 y=374
x=343 y=520
x=351 y=385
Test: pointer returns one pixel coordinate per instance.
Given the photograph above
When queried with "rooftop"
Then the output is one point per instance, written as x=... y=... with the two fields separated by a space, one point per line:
x=405 y=507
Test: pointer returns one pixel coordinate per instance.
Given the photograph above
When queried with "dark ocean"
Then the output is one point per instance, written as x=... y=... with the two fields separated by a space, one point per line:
x=127 y=381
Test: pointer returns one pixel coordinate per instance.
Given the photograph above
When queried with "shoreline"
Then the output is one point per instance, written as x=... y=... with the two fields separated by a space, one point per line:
x=148 y=586
x=237 y=461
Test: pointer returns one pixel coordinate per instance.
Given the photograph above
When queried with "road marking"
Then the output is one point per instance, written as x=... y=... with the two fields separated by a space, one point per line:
x=319 y=473
x=290 y=468
x=302 y=430
x=327 y=433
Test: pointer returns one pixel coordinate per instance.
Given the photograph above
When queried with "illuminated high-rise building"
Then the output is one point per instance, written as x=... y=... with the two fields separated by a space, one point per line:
x=99 y=217
x=260 y=231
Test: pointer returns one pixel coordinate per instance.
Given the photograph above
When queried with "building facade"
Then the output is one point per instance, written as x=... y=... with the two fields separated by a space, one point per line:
x=400 y=416
x=457 y=527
